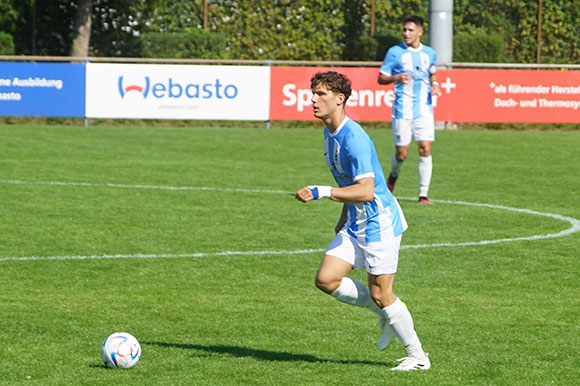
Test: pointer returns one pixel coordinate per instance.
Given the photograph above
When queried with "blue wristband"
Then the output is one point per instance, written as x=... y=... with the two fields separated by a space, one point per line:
x=314 y=191
x=320 y=191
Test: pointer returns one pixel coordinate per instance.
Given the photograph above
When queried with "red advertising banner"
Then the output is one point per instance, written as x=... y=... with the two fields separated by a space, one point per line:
x=550 y=96
x=290 y=94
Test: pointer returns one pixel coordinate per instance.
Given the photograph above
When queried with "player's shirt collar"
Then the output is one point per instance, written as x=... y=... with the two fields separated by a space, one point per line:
x=414 y=49
x=346 y=118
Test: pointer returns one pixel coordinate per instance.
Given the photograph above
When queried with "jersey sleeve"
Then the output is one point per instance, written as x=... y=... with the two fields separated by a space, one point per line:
x=359 y=153
x=389 y=62
x=433 y=59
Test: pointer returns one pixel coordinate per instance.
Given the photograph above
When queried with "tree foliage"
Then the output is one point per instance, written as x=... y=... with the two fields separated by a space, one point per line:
x=292 y=29
x=517 y=21
x=282 y=29
x=6 y=44
x=184 y=45
x=489 y=47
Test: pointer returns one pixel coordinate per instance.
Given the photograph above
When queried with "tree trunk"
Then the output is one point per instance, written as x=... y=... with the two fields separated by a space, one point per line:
x=82 y=29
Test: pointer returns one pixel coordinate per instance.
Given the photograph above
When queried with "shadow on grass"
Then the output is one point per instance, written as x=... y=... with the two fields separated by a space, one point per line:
x=244 y=352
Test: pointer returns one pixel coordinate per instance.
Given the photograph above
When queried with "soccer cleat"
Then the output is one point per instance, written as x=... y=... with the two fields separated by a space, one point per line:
x=411 y=363
x=391 y=182
x=424 y=200
x=387 y=334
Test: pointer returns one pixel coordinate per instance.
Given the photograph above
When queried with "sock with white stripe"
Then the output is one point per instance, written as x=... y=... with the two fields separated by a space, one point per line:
x=395 y=165
x=425 y=170
x=400 y=319
x=353 y=292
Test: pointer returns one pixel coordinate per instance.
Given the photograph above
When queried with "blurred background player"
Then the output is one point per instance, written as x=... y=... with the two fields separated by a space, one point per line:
x=370 y=228
x=411 y=66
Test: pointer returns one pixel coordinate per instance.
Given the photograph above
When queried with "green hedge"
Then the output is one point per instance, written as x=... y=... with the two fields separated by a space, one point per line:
x=478 y=47
x=384 y=42
x=6 y=44
x=184 y=45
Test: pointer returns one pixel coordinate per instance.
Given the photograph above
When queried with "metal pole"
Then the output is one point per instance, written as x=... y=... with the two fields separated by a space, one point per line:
x=33 y=32
x=441 y=29
x=441 y=36
x=539 y=41
x=205 y=15
x=373 y=17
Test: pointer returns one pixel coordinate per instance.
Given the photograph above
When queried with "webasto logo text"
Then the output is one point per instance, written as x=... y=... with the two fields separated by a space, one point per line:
x=171 y=88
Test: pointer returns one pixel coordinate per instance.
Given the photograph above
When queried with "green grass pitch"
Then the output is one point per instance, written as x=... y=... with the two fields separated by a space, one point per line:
x=191 y=240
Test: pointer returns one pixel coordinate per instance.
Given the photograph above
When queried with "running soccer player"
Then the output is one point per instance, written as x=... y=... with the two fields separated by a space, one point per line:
x=370 y=227
x=411 y=66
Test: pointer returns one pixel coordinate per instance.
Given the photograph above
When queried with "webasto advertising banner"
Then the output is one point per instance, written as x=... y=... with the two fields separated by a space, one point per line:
x=42 y=89
x=178 y=92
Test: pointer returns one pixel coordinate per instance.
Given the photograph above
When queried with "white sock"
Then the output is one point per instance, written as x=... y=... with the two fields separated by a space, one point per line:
x=425 y=170
x=395 y=165
x=353 y=292
x=401 y=321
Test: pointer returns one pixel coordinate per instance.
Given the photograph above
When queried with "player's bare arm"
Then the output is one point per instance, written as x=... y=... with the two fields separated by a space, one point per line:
x=399 y=78
x=362 y=190
x=435 y=90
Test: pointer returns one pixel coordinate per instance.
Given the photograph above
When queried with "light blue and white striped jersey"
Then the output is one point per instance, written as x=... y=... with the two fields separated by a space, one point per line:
x=351 y=156
x=413 y=99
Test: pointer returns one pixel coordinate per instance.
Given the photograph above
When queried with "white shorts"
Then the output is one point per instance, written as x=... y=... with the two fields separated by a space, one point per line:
x=422 y=129
x=378 y=258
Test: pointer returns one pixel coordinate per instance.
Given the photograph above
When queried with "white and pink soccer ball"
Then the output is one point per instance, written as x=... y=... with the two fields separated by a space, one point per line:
x=121 y=350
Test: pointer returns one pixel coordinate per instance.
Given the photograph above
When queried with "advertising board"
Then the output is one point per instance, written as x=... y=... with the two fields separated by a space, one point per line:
x=467 y=95
x=178 y=91
x=526 y=96
x=42 y=89
x=261 y=93
x=291 y=94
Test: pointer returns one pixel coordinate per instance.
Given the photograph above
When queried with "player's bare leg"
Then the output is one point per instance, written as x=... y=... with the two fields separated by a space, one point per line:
x=397 y=159
x=381 y=288
x=331 y=278
x=330 y=273
x=398 y=322
x=424 y=148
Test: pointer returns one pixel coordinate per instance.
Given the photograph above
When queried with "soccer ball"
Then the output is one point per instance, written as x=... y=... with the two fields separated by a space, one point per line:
x=121 y=350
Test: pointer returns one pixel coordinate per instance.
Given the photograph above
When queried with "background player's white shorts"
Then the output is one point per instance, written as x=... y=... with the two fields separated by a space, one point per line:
x=378 y=258
x=422 y=129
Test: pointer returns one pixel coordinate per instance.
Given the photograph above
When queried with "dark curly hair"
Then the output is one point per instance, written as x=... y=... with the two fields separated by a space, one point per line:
x=418 y=21
x=334 y=81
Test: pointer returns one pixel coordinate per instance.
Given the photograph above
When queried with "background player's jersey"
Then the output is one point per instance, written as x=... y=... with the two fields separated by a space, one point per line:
x=413 y=99
x=351 y=156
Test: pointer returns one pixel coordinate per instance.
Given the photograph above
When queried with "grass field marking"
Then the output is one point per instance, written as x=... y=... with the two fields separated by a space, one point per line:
x=574 y=225
x=164 y=256
x=155 y=187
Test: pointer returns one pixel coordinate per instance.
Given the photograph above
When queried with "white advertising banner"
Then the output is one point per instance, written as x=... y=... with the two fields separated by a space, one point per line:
x=149 y=91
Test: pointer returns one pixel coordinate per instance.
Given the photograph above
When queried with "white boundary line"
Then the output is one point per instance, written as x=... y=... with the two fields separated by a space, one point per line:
x=190 y=188
x=574 y=225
